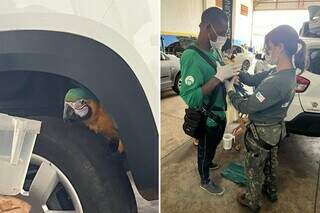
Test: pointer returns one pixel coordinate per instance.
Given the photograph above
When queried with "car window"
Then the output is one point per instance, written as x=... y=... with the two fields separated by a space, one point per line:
x=239 y=50
x=175 y=45
x=236 y=50
x=314 y=66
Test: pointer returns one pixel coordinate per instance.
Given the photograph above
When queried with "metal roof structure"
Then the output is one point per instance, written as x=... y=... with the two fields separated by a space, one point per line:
x=283 y=4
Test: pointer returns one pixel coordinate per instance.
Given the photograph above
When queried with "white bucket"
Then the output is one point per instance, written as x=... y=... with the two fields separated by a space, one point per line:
x=17 y=139
x=228 y=139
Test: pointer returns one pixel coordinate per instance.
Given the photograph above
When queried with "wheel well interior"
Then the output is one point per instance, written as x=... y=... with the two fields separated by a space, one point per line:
x=37 y=67
x=33 y=93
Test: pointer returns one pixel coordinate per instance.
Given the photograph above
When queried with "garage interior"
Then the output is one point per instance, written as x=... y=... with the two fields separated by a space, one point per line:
x=298 y=155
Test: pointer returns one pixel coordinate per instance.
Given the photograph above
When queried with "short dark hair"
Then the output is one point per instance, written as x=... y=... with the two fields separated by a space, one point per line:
x=213 y=14
x=287 y=36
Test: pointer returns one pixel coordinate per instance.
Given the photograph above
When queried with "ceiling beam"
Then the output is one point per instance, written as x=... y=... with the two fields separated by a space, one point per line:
x=272 y=2
x=300 y=4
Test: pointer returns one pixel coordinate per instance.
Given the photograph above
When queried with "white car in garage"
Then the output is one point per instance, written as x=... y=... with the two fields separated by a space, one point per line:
x=242 y=55
x=304 y=112
x=170 y=72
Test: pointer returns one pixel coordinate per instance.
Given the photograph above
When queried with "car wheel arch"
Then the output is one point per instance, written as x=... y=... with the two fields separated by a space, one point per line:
x=136 y=122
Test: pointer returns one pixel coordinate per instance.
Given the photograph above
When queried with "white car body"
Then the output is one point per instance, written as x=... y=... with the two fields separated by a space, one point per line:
x=170 y=71
x=133 y=37
x=241 y=56
x=304 y=113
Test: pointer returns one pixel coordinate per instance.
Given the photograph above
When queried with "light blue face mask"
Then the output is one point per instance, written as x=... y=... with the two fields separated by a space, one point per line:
x=221 y=40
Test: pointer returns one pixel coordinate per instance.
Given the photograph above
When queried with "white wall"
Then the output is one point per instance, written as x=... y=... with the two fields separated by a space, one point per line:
x=242 y=25
x=294 y=18
x=181 y=16
x=209 y=3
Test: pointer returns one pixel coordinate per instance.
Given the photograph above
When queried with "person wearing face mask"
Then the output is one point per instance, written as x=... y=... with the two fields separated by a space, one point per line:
x=266 y=108
x=202 y=74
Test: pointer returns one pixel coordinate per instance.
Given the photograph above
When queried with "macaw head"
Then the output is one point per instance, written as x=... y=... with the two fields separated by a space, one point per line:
x=78 y=104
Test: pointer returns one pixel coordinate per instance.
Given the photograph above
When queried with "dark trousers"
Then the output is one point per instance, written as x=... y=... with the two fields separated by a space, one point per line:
x=208 y=144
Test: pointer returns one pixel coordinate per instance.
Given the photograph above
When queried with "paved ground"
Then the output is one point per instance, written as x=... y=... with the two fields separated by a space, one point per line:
x=180 y=192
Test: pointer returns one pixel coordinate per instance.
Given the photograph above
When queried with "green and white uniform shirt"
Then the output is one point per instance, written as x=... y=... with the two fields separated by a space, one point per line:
x=195 y=72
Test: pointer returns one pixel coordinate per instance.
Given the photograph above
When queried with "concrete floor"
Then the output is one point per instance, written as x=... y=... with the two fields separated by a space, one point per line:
x=180 y=191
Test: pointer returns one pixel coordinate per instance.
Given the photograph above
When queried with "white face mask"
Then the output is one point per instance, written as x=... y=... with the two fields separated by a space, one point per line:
x=221 y=40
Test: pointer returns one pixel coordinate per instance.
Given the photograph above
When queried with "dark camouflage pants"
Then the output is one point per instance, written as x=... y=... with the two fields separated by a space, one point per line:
x=260 y=167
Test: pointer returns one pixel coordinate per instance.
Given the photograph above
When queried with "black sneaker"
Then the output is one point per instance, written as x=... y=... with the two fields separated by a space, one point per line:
x=212 y=188
x=214 y=166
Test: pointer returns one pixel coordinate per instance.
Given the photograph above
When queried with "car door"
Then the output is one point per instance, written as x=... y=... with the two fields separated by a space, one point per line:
x=310 y=98
x=166 y=81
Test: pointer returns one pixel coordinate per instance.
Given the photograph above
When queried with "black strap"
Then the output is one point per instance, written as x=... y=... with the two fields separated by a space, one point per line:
x=252 y=128
x=204 y=56
x=220 y=86
x=215 y=117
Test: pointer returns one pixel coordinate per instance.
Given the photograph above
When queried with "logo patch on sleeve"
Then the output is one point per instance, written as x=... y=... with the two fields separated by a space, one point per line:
x=260 y=97
x=189 y=80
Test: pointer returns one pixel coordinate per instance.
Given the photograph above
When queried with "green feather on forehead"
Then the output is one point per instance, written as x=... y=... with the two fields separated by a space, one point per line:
x=76 y=94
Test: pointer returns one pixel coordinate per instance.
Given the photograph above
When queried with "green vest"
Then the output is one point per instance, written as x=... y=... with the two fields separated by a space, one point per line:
x=195 y=72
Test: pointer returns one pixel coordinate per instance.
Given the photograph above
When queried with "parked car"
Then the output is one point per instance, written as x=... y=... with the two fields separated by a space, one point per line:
x=304 y=112
x=178 y=46
x=175 y=49
x=311 y=28
x=51 y=47
x=242 y=55
x=170 y=72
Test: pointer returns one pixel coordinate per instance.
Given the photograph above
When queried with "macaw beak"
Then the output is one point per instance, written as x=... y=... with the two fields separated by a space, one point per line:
x=68 y=114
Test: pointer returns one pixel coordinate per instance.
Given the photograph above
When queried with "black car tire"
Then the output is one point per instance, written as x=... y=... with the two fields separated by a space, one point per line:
x=85 y=158
x=245 y=65
x=175 y=87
